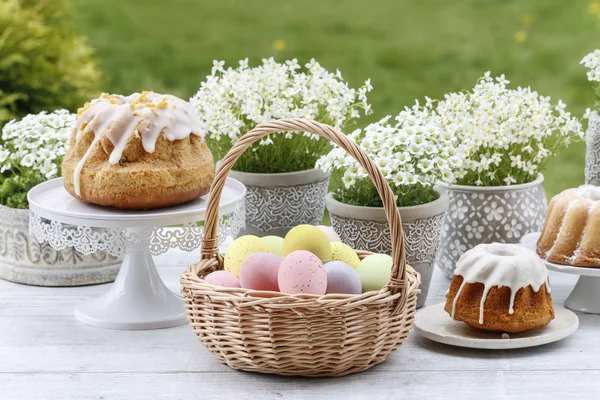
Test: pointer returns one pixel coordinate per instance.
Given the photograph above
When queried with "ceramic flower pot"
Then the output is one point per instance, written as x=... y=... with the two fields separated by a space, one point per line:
x=366 y=228
x=592 y=152
x=275 y=203
x=24 y=260
x=479 y=214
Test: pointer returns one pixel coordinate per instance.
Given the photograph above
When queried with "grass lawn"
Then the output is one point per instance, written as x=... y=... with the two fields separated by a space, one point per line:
x=409 y=49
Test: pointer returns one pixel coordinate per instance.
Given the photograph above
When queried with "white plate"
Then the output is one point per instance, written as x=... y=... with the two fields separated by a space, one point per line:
x=50 y=200
x=435 y=324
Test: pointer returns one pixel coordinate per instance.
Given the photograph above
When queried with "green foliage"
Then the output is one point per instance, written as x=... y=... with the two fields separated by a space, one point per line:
x=364 y=193
x=14 y=188
x=44 y=63
x=285 y=155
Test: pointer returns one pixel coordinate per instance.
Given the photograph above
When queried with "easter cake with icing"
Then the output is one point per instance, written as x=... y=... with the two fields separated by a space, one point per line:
x=502 y=288
x=140 y=151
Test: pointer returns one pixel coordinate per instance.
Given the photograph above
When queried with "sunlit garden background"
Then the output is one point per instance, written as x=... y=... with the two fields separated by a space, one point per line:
x=409 y=49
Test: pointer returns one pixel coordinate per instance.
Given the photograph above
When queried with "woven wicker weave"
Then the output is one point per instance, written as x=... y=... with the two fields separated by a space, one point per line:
x=307 y=335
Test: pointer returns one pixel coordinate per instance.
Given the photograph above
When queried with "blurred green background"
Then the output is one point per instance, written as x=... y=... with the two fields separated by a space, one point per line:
x=409 y=49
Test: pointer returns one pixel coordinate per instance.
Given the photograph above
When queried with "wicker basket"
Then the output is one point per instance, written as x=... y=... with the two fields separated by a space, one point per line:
x=308 y=335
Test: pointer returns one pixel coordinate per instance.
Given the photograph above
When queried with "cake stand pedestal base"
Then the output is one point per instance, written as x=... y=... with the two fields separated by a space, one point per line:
x=585 y=296
x=138 y=299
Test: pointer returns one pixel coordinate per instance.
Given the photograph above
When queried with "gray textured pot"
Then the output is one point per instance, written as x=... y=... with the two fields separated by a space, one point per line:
x=24 y=260
x=480 y=214
x=275 y=203
x=366 y=228
x=592 y=151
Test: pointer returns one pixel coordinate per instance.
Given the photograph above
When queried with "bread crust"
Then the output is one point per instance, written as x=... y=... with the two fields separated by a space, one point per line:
x=531 y=309
x=176 y=172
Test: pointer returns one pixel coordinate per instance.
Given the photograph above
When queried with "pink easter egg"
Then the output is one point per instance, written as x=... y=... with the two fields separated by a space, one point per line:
x=259 y=271
x=342 y=278
x=331 y=234
x=222 y=278
x=301 y=272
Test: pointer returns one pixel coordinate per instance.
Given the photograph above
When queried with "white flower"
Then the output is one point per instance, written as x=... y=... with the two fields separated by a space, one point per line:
x=36 y=143
x=592 y=61
x=408 y=152
x=230 y=102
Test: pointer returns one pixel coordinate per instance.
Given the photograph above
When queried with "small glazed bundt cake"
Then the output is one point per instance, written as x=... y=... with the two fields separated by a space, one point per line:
x=571 y=233
x=501 y=288
x=137 y=152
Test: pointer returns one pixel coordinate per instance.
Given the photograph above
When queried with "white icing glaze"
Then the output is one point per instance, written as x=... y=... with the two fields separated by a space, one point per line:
x=498 y=264
x=146 y=114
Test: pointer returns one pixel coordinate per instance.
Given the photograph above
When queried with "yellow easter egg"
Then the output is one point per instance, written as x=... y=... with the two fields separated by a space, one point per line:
x=309 y=238
x=374 y=271
x=240 y=249
x=343 y=252
x=275 y=244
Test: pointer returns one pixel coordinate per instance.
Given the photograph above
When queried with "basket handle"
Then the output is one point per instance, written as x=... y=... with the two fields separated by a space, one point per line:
x=209 y=243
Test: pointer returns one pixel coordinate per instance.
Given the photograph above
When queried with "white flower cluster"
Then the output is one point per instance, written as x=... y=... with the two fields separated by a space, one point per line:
x=36 y=143
x=592 y=62
x=232 y=101
x=506 y=136
x=415 y=151
x=490 y=136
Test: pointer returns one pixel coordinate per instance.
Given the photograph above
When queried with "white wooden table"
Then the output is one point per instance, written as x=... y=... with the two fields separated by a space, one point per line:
x=46 y=354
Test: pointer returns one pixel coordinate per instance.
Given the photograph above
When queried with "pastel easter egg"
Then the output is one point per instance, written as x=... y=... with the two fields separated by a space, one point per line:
x=222 y=278
x=374 y=271
x=301 y=272
x=343 y=252
x=331 y=234
x=259 y=271
x=275 y=244
x=342 y=278
x=241 y=248
x=309 y=238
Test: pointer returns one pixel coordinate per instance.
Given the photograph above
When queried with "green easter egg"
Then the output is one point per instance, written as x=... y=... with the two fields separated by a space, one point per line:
x=240 y=249
x=374 y=271
x=309 y=238
x=343 y=252
x=275 y=244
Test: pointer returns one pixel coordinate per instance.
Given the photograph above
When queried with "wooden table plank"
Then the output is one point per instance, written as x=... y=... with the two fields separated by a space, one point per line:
x=45 y=353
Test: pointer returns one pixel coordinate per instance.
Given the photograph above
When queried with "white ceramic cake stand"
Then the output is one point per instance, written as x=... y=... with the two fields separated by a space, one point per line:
x=585 y=296
x=138 y=299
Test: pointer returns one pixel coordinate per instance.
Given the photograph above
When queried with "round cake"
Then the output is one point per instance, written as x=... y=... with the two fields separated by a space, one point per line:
x=571 y=233
x=137 y=152
x=501 y=288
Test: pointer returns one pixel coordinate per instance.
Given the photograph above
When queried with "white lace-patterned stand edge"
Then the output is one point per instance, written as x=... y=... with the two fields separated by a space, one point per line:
x=138 y=299
x=585 y=296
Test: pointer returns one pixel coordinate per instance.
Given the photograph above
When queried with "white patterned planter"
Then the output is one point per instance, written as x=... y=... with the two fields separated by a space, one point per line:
x=24 y=260
x=366 y=228
x=480 y=214
x=275 y=203
x=592 y=152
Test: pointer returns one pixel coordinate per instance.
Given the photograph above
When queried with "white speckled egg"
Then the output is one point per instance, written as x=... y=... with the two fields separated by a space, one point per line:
x=310 y=238
x=275 y=244
x=374 y=271
x=241 y=248
x=331 y=234
x=301 y=272
x=259 y=272
x=342 y=278
x=343 y=252
x=222 y=278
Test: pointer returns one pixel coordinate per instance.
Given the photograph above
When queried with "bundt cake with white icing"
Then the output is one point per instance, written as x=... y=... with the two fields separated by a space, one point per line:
x=501 y=288
x=137 y=152
x=571 y=233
